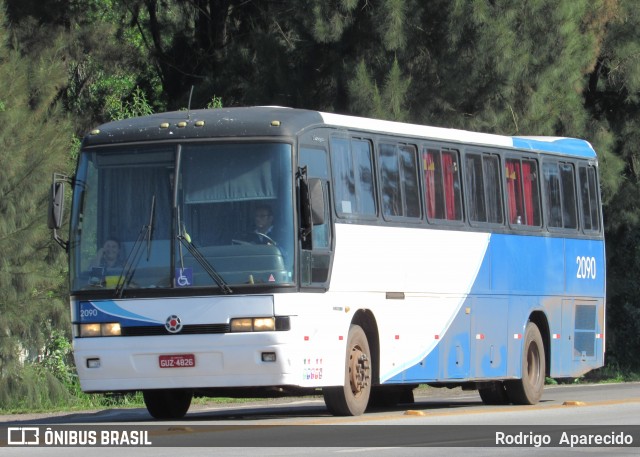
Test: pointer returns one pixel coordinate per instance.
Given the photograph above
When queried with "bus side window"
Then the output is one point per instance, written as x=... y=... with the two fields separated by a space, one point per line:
x=589 y=195
x=560 y=195
x=569 y=214
x=399 y=180
x=522 y=192
x=352 y=167
x=442 y=184
x=552 y=194
x=363 y=164
x=390 y=181
x=483 y=184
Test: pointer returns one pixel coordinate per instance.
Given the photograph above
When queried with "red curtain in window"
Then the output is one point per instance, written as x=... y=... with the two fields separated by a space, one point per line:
x=512 y=182
x=528 y=191
x=449 y=190
x=430 y=187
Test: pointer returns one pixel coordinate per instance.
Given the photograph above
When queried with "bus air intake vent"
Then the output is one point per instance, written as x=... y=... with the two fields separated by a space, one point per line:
x=154 y=330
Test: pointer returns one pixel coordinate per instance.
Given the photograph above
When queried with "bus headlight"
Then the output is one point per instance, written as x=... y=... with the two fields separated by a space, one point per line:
x=253 y=324
x=111 y=329
x=96 y=329
x=263 y=324
x=89 y=330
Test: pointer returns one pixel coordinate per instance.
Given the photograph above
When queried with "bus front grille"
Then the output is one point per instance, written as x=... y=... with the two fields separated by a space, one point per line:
x=151 y=330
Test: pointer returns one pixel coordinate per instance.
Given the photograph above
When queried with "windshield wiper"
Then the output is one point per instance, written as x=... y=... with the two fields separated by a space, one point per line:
x=129 y=268
x=150 y=226
x=185 y=239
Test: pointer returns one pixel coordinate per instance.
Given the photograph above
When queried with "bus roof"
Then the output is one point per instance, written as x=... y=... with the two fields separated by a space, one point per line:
x=568 y=146
x=558 y=145
x=276 y=121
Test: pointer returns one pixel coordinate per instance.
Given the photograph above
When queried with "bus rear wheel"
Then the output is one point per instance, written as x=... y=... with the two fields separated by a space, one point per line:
x=352 y=398
x=167 y=403
x=528 y=389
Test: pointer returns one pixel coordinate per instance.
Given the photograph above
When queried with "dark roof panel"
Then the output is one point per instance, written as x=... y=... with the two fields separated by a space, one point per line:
x=273 y=121
x=210 y=123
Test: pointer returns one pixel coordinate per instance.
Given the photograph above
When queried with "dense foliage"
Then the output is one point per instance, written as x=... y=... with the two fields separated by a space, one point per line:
x=539 y=67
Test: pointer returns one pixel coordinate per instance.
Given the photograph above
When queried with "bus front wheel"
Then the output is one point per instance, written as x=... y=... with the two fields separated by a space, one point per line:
x=167 y=403
x=351 y=399
x=528 y=389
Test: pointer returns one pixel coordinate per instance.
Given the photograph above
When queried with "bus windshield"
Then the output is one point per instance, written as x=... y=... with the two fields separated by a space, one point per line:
x=183 y=216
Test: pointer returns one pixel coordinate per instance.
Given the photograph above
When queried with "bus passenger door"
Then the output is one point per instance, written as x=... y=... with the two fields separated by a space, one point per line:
x=316 y=256
x=315 y=263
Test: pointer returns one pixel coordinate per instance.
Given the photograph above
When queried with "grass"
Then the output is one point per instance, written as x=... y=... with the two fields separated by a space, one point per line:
x=85 y=402
x=88 y=402
x=79 y=402
x=609 y=374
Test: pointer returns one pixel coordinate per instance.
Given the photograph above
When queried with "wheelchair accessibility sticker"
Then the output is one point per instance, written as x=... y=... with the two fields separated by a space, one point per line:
x=184 y=277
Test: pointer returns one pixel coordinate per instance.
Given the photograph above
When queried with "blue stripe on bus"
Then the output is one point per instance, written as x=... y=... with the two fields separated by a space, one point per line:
x=568 y=146
x=555 y=269
x=484 y=339
x=109 y=311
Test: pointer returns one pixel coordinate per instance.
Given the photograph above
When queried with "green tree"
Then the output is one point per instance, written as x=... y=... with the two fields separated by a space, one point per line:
x=613 y=101
x=35 y=136
x=107 y=61
x=538 y=67
x=526 y=69
x=367 y=100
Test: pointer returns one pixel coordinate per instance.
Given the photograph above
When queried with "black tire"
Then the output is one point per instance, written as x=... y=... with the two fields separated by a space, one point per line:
x=528 y=389
x=167 y=403
x=495 y=393
x=352 y=398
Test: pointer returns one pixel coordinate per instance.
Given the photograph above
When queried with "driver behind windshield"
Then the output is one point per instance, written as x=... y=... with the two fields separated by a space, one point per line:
x=263 y=232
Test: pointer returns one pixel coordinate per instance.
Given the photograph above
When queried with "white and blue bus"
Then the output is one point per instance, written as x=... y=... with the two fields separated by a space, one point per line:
x=392 y=255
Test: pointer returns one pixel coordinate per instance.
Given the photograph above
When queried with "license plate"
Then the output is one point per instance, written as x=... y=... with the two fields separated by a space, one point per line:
x=177 y=361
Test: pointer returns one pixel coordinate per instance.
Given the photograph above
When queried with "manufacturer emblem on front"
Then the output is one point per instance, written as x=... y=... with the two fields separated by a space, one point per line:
x=173 y=324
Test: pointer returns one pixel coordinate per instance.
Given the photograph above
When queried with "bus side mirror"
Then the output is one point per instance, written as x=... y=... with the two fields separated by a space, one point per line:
x=55 y=214
x=316 y=200
x=312 y=205
x=56 y=206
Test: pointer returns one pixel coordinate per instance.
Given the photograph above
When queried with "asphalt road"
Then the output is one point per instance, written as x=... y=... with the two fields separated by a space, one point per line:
x=454 y=422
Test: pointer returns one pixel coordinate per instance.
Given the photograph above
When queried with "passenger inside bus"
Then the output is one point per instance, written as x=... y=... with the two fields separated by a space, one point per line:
x=110 y=255
x=109 y=258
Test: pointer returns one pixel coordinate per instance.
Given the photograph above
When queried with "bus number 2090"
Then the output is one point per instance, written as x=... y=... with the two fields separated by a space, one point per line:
x=586 y=267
